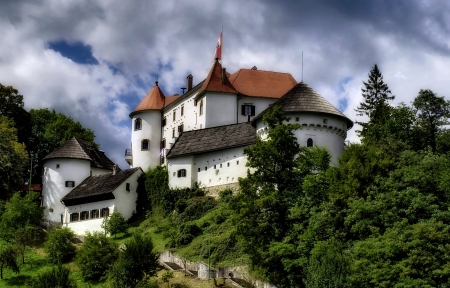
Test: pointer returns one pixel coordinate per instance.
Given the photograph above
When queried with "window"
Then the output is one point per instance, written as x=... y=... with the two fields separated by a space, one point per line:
x=180 y=128
x=105 y=212
x=228 y=164
x=237 y=162
x=138 y=124
x=181 y=173
x=297 y=118
x=182 y=110
x=309 y=142
x=145 y=144
x=220 y=165
x=57 y=166
x=164 y=122
x=201 y=107
x=195 y=102
x=248 y=110
x=214 y=166
x=95 y=214
x=74 y=217
x=84 y=215
x=198 y=169
x=325 y=121
x=206 y=168
x=70 y=183
x=127 y=187
x=173 y=133
x=174 y=115
x=163 y=143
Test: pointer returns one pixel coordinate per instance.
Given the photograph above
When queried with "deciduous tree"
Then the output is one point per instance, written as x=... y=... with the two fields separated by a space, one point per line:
x=59 y=246
x=8 y=260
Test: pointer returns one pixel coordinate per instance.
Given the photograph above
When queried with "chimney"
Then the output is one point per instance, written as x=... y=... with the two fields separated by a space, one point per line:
x=224 y=75
x=189 y=82
x=114 y=169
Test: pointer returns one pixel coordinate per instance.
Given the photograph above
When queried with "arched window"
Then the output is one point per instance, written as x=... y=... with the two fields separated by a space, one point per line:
x=309 y=142
x=138 y=124
x=145 y=144
x=201 y=107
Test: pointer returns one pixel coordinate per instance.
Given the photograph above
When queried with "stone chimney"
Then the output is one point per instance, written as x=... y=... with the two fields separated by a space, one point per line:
x=114 y=169
x=224 y=75
x=189 y=82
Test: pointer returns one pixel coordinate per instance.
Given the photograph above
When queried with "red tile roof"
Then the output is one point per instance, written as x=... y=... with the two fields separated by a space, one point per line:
x=213 y=83
x=168 y=100
x=259 y=83
x=153 y=101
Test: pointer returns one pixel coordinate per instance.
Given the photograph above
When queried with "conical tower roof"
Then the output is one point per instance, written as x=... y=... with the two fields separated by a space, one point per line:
x=214 y=83
x=154 y=100
x=302 y=98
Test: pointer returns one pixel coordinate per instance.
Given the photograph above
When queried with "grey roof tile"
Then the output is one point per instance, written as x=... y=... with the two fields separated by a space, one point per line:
x=213 y=139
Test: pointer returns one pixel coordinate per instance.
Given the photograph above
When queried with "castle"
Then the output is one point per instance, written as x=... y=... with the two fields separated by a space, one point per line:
x=199 y=136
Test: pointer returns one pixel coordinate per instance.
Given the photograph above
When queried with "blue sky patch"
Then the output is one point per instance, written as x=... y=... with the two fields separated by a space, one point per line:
x=78 y=52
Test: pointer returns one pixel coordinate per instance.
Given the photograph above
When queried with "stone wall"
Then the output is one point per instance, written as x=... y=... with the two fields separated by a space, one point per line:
x=214 y=190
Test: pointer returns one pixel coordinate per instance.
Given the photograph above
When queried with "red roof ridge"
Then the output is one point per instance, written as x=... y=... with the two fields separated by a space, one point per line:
x=213 y=82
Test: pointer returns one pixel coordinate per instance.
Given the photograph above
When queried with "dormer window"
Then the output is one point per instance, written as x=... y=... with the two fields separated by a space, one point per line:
x=138 y=124
x=145 y=144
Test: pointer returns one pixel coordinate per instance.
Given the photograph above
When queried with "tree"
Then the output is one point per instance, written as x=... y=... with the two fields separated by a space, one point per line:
x=8 y=260
x=14 y=159
x=432 y=113
x=51 y=130
x=11 y=106
x=26 y=237
x=375 y=106
x=19 y=213
x=59 y=245
x=58 y=277
x=135 y=262
x=96 y=256
x=115 y=223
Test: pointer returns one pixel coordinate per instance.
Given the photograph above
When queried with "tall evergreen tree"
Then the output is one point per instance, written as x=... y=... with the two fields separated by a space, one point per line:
x=376 y=95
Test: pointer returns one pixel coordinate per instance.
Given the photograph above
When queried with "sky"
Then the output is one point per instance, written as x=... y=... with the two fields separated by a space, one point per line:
x=96 y=60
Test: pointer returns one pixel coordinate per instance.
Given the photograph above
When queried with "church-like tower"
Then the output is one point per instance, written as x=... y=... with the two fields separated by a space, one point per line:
x=146 y=131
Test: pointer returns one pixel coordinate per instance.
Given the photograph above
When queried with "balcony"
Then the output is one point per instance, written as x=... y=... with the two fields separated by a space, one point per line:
x=129 y=156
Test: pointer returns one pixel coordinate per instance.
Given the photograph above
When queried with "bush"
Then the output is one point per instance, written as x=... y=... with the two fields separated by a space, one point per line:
x=187 y=233
x=96 y=256
x=197 y=207
x=55 y=278
x=116 y=224
x=8 y=260
x=136 y=261
x=59 y=245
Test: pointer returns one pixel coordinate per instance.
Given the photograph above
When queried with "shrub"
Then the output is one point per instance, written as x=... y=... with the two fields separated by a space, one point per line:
x=59 y=245
x=96 y=256
x=187 y=233
x=136 y=261
x=197 y=207
x=8 y=260
x=55 y=278
x=116 y=224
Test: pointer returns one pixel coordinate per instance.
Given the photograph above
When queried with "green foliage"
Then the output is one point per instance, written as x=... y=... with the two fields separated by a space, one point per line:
x=8 y=260
x=157 y=185
x=167 y=275
x=27 y=237
x=59 y=245
x=19 y=213
x=196 y=207
x=135 y=262
x=51 y=130
x=376 y=95
x=12 y=106
x=96 y=256
x=58 y=277
x=13 y=158
x=115 y=223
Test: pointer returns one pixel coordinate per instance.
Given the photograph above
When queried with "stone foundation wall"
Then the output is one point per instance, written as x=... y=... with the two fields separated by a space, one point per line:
x=213 y=191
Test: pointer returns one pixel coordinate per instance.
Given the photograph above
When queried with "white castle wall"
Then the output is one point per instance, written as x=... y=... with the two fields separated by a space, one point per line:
x=151 y=130
x=221 y=109
x=174 y=165
x=92 y=225
x=260 y=104
x=54 y=183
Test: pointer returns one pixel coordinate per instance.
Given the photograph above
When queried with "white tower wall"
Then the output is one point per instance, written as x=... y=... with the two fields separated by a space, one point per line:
x=151 y=130
x=56 y=173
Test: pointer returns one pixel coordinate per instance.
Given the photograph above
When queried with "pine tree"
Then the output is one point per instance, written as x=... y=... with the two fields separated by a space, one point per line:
x=376 y=95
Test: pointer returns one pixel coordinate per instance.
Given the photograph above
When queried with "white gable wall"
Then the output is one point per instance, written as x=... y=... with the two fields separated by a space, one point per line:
x=125 y=201
x=260 y=104
x=220 y=109
x=54 y=183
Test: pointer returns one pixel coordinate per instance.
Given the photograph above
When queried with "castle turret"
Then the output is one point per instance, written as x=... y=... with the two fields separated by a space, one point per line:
x=146 y=131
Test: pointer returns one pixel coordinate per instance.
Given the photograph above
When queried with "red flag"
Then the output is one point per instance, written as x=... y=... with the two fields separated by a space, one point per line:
x=218 y=53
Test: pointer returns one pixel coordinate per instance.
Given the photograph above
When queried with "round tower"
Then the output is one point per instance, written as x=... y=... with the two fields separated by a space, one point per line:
x=321 y=124
x=146 y=130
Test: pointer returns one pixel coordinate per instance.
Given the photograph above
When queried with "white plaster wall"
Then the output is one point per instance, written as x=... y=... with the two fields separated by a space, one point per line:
x=151 y=129
x=260 y=105
x=220 y=109
x=175 y=164
x=92 y=225
x=54 y=183
x=330 y=135
x=220 y=175
x=98 y=171
x=125 y=201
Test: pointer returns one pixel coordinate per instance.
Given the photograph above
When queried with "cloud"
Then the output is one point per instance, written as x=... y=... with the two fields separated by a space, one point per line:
x=135 y=43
